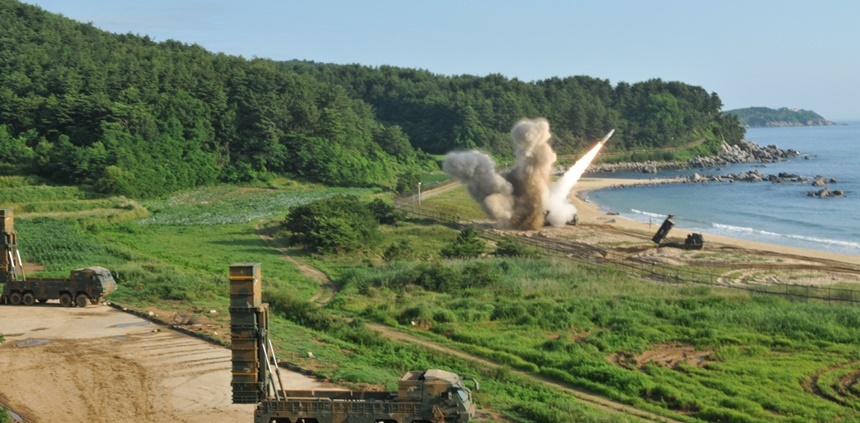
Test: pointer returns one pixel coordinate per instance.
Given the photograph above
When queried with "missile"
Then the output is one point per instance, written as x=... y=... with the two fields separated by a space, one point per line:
x=606 y=137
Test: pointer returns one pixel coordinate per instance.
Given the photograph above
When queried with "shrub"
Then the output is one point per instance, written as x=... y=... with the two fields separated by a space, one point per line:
x=444 y=316
x=512 y=247
x=332 y=225
x=301 y=312
x=432 y=277
x=407 y=181
x=466 y=245
x=401 y=250
x=415 y=314
x=385 y=213
x=479 y=275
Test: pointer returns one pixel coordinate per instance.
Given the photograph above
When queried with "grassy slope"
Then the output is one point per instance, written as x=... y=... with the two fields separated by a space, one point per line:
x=557 y=318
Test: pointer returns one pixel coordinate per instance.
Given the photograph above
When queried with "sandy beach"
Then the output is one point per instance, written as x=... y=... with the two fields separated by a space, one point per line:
x=590 y=214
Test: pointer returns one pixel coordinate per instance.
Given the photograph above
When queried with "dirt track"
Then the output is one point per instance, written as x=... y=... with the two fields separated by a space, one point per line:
x=99 y=364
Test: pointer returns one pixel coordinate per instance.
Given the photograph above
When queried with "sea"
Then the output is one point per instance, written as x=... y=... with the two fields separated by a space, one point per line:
x=761 y=211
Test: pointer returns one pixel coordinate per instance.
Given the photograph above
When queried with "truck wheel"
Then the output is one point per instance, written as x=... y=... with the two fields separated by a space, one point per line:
x=15 y=298
x=29 y=299
x=81 y=300
x=65 y=299
x=96 y=300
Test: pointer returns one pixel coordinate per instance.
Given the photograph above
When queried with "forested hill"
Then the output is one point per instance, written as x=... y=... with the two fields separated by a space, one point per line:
x=759 y=117
x=135 y=117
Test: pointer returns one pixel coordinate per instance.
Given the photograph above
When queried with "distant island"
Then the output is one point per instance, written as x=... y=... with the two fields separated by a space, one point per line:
x=759 y=117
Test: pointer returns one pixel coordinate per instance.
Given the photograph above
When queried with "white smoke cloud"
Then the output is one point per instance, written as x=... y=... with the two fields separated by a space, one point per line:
x=477 y=171
x=522 y=197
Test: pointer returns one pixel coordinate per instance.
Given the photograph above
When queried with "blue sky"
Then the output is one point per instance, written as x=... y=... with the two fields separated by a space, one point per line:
x=752 y=53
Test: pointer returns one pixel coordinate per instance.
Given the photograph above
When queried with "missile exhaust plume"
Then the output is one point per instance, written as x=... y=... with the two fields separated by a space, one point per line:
x=522 y=197
x=560 y=210
x=606 y=137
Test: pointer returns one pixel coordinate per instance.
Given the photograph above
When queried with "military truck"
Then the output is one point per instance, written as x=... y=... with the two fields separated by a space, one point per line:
x=87 y=285
x=90 y=284
x=432 y=396
x=428 y=396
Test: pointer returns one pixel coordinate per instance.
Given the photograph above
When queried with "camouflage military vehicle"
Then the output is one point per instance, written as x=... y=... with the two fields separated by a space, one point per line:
x=88 y=285
x=432 y=396
x=422 y=397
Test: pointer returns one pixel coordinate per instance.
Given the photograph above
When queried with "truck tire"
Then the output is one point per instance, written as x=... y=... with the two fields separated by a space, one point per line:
x=29 y=299
x=81 y=300
x=65 y=299
x=15 y=298
x=96 y=300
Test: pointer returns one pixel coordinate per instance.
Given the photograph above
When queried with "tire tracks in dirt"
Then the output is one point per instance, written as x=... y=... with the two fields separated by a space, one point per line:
x=266 y=230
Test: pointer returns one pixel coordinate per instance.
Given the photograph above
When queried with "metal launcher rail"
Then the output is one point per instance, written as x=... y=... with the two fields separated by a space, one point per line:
x=255 y=369
x=11 y=267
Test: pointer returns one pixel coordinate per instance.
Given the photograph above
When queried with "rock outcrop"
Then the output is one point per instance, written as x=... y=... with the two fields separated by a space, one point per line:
x=744 y=152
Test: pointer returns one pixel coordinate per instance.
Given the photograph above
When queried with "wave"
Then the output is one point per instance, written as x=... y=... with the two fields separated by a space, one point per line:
x=649 y=214
x=836 y=242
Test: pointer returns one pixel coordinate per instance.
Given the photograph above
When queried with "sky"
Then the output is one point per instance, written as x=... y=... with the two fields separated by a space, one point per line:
x=786 y=53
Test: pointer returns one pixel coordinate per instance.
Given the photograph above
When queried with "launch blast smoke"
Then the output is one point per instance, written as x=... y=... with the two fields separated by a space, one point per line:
x=523 y=197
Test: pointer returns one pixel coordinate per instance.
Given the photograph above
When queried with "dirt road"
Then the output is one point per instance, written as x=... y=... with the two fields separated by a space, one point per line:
x=98 y=364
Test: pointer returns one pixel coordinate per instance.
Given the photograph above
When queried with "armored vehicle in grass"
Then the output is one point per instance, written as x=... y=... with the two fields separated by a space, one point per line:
x=87 y=285
x=432 y=396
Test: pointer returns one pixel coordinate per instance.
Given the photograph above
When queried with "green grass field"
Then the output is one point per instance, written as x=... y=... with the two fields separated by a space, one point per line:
x=692 y=353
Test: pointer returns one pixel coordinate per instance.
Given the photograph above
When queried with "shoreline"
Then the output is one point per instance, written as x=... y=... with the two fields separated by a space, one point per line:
x=590 y=213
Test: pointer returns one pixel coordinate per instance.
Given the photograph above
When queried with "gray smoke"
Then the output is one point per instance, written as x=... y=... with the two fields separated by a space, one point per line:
x=515 y=198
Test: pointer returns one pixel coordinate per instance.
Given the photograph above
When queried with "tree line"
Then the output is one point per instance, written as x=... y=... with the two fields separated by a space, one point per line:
x=128 y=115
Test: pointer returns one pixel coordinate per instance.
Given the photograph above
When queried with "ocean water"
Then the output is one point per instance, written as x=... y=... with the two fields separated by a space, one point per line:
x=763 y=211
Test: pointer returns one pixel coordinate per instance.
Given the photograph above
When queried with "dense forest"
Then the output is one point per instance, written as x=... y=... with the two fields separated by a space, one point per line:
x=759 y=117
x=128 y=115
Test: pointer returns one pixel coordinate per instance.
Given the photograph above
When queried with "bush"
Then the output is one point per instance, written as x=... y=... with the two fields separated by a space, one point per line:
x=401 y=250
x=385 y=213
x=438 y=277
x=296 y=311
x=479 y=275
x=333 y=225
x=407 y=181
x=467 y=245
x=512 y=247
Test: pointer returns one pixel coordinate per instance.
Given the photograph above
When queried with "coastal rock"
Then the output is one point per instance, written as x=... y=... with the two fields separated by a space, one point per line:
x=825 y=193
x=744 y=152
x=819 y=181
x=790 y=177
